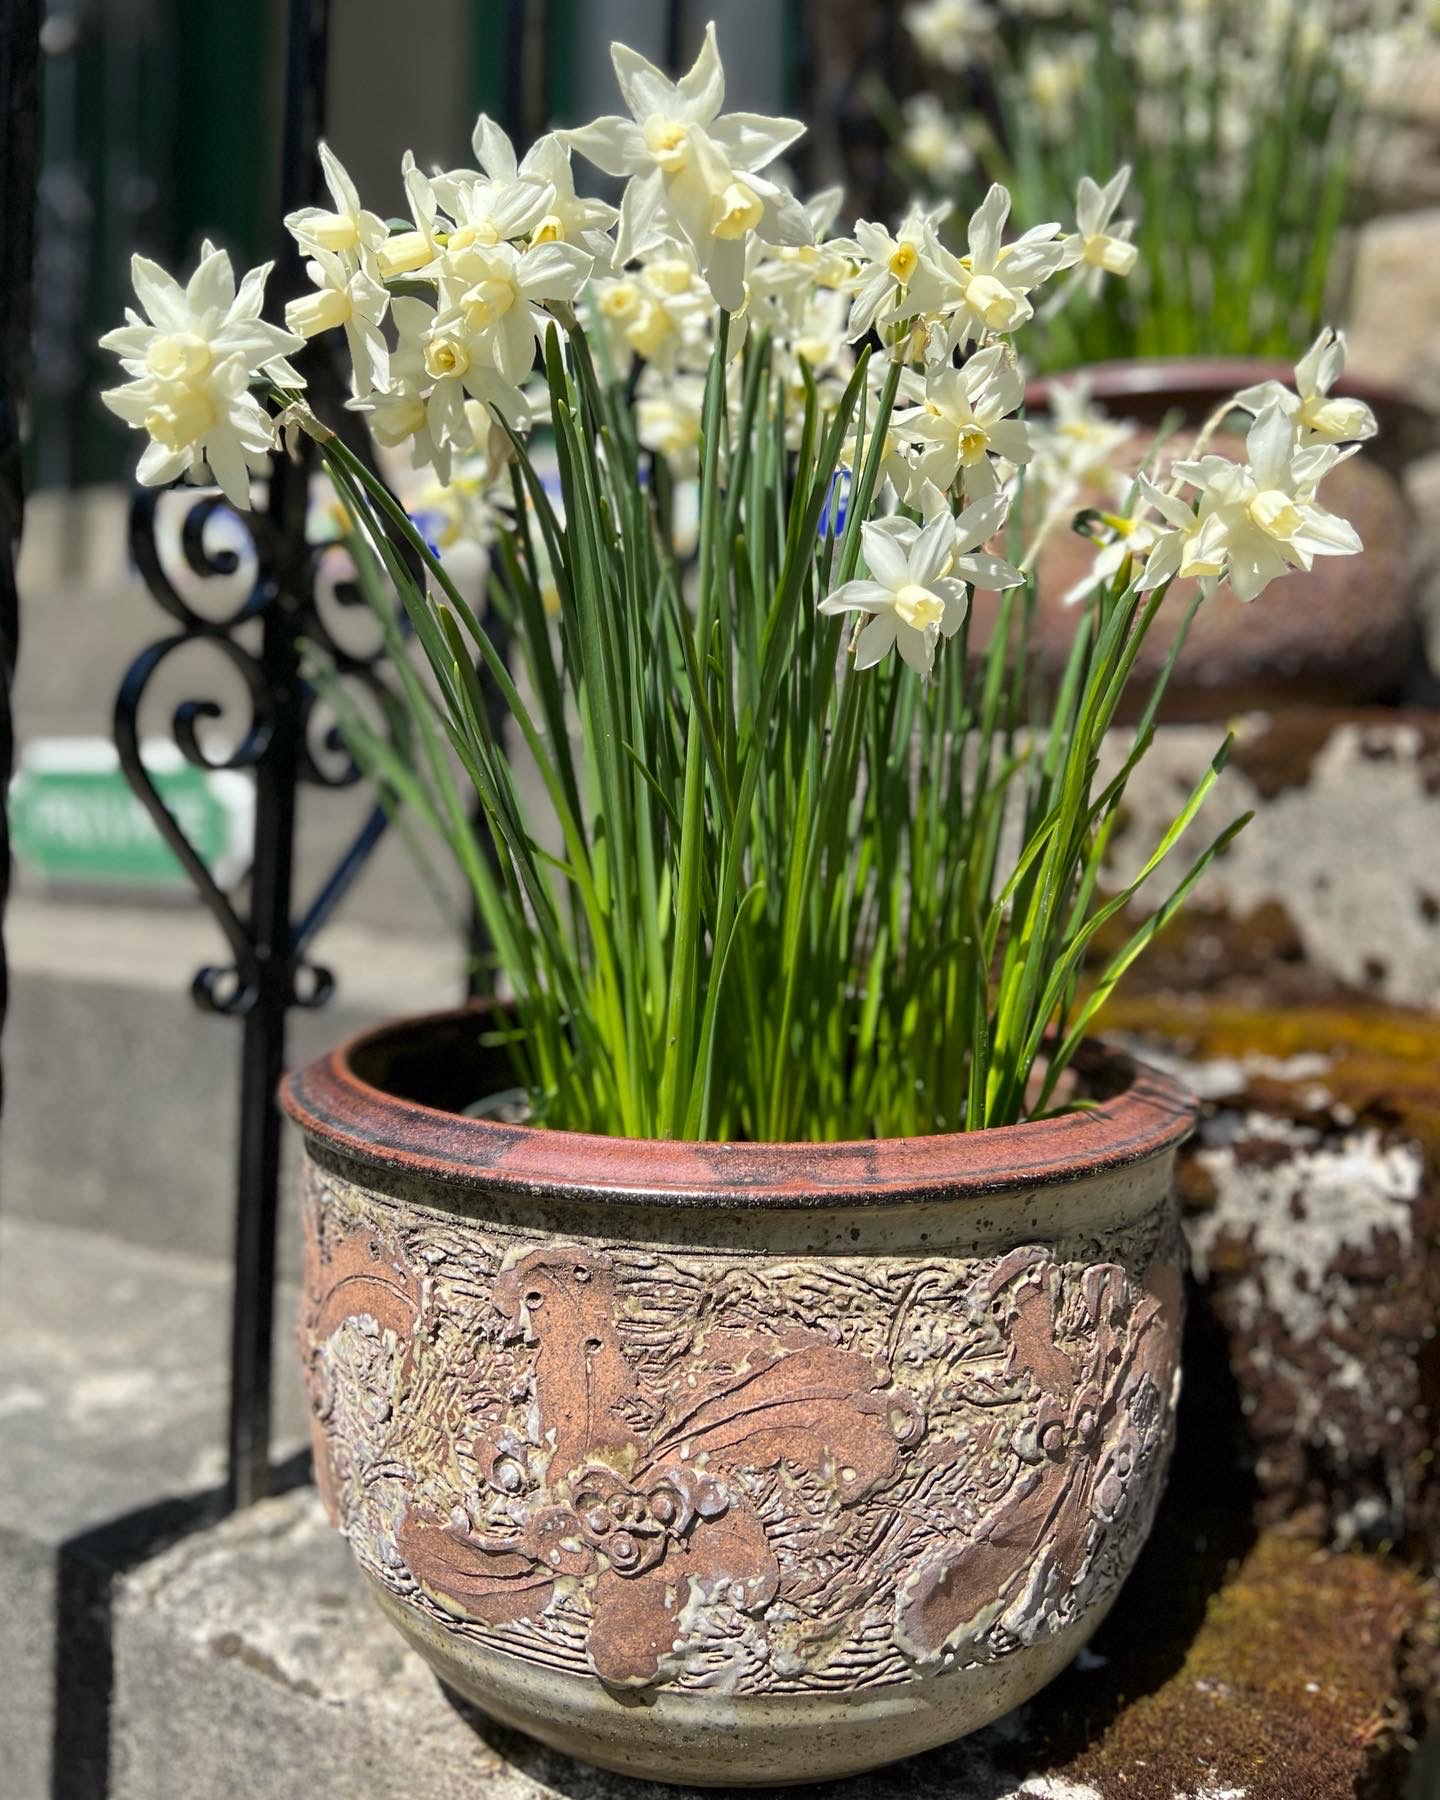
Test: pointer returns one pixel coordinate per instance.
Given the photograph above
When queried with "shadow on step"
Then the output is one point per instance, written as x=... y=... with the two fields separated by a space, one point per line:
x=88 y=1566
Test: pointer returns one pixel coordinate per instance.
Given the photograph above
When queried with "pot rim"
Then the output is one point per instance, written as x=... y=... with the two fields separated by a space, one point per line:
x=336 y=1107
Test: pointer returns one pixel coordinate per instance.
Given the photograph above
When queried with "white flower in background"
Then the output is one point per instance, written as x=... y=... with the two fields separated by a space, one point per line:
x=910 y=593
x=349 y=230
x=932 y=142
x=346 y=294
x=693 y=174
x=668 y=413
x=1054 y=82
x=1267 y=506
x=570 y=218
x=1095 y=246
x=896 y=470
x=1075 y=447
x=952 y=33
x=495 y=207
x=962 y=425
x=894 y=276
x=661 y=312
x=973 y=529
x=1192 y=548
x=406 y=252
x=986 y=289
x=491 y=306
x=1319 y=418
x=192 y=357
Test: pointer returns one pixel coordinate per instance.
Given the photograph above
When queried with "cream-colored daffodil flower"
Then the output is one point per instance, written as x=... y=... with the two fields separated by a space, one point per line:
x=348 y=295
x=693 y=173
x=1320 y=418
x=192 y=357
x=186 y=331
x=962 y=424
x=910 y=593
x=1097 y=246
x=986 y=290
x=1267 y=508
x=348 y=231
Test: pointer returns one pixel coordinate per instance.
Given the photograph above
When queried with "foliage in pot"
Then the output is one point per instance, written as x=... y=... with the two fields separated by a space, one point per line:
x=803 y=1367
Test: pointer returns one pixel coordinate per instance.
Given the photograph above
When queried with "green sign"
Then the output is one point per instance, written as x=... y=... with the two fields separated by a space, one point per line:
x=74 y=820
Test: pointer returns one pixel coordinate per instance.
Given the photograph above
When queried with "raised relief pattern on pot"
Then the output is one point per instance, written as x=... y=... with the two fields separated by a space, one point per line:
x=755 y=1473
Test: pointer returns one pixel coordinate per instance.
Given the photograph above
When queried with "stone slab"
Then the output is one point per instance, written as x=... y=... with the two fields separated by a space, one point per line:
x=122 y=1095
x=251 y=1665
x=112 y=1395
x=1338 y=874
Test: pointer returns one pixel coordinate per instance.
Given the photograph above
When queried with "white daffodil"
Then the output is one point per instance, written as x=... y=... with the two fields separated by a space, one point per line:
x=693 y=174
x=932 y=142
x=953 y=34
x=788 y=272
x=213 y=422
x=1320 y=419
x=570 y=219
x=192 y=358
x=668 y=413
x=985 y=290
x=1055 y=78
x=187 y=331
x=492 y=299
x=1076 y=446
x=894 y=276
x=1094 y=246
x=661 y=312
x=346 y=294
x=432 y=376
x=498 y=206
x=973 y=529
x=910 y=593
x=1164 y=533
x=407 y=252
x=349 y=230
x=962 y=425
x=1267 y=506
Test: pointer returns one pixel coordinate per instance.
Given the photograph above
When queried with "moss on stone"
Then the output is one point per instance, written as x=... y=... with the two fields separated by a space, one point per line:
x=1294 y=1687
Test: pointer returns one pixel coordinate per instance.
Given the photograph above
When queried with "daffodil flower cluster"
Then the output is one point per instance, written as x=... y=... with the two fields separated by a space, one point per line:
x=782 y=454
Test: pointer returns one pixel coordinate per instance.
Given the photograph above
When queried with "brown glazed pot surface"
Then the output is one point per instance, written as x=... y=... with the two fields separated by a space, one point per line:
x=1345 y=633
x=735 y=1463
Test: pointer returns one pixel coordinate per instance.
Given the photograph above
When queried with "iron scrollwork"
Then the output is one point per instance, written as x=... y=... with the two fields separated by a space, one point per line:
x=310 y=740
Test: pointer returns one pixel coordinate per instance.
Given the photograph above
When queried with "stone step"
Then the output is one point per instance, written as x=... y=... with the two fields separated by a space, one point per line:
x=251 y=1665
x=121 y=1098
x=113 y=1373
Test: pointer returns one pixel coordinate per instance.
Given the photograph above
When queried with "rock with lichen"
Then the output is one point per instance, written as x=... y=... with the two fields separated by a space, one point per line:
x=1312 y=1202
x=1334 y=884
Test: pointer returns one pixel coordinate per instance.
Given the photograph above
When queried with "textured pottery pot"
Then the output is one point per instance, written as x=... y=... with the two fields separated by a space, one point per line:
x=735 y=1463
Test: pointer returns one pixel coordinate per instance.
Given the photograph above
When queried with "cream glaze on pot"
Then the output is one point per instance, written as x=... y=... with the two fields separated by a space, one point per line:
x=736 y=1464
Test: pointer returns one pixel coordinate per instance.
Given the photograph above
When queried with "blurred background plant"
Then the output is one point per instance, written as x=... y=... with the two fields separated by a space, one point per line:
x=1251 y=128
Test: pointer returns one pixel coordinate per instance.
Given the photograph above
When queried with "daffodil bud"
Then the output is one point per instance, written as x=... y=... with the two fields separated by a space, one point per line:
x=403 y=254
x=321 y=311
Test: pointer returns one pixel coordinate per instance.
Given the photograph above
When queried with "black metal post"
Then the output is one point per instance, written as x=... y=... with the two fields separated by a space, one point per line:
x=262 y=1057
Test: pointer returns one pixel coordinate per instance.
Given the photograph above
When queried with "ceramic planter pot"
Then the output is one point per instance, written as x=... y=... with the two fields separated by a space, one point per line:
x=735 y=1463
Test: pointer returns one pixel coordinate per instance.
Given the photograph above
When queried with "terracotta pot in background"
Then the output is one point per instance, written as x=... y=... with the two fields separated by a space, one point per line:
x=735 y=1463
x=1345 y=634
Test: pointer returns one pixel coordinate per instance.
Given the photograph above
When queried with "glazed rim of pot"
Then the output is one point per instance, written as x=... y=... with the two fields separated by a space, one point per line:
x=362 y=1103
